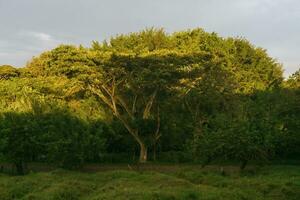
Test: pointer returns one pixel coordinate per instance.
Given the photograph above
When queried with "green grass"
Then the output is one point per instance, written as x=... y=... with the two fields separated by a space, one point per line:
x=185 y=182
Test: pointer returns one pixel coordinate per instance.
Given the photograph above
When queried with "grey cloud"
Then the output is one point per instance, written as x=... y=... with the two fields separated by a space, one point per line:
x=272 y=24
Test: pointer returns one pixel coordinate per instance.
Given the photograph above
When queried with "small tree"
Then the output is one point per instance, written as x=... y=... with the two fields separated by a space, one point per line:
x=7 y=72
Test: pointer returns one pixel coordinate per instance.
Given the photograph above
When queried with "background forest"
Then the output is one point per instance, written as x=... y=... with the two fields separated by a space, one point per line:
x=188 y=96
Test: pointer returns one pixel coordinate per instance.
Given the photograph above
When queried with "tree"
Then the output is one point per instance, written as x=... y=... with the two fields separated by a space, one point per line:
x=219 y=102
x=133 y=88
x=7 y=72
x=288 y=114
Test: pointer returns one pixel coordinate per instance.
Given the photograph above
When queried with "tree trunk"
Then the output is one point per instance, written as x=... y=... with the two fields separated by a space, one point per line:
x=243 y=164
x=19 y=168
x=134 y=133
x=154 y=151
x=143 y=153
x=206 y=162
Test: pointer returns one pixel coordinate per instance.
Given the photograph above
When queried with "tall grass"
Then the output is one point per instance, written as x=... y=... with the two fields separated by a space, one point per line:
x=188 y=182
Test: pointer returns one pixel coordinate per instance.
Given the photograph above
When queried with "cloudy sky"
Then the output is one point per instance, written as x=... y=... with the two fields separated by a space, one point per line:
x=28 y=27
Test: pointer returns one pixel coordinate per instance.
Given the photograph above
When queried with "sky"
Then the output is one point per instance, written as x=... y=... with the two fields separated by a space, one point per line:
x=29 y=27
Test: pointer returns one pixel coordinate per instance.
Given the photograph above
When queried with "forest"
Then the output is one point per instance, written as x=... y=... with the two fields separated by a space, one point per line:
x=189 y=96
x=150 y=97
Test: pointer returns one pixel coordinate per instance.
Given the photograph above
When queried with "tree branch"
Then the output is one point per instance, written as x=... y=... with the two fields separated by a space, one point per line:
x=148 y=106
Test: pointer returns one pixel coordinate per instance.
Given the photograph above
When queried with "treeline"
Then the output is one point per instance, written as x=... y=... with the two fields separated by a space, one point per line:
x=181 y=97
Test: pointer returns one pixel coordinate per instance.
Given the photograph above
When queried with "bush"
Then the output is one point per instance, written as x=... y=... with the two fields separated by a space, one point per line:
x=175 y=157
x=56 y=137
x=241 y=141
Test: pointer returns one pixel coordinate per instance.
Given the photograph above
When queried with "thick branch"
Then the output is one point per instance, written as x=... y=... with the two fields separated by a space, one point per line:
x=132 y=131
x=157 y=134
x=103 y=98
x=112 y=105
x=112 y=97
x=134 y=104
x=124 y=105
x=149 y=105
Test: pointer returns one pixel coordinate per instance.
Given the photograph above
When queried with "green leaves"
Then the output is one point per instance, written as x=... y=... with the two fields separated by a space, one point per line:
x=225 y=95
x=8 y=72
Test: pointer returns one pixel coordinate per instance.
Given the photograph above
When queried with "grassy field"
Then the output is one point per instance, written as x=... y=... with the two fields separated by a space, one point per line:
x=156 y=182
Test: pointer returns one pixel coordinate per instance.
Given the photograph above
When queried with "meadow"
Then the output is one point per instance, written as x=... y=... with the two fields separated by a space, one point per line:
x=155 y=182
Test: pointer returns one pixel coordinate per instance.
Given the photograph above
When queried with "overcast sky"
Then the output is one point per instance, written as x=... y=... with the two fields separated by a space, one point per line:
x=28 y=27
